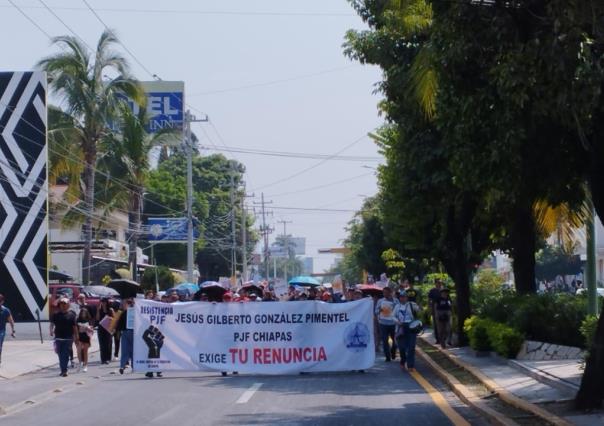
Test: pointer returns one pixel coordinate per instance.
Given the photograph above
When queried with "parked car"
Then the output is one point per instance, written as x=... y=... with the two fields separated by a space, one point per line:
x=70 y=290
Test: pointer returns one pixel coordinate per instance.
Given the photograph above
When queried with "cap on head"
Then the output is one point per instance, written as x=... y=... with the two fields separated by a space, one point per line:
x=403 y=293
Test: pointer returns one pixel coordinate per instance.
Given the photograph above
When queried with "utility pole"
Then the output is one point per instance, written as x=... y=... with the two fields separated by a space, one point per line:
x=233 y=230
x=286 y=242
x=244 y=236
x=265 y=231
x=188 y=144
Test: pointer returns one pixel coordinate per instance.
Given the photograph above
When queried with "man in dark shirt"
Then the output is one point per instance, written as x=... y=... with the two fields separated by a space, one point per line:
x=64 y=329
x=433 y=296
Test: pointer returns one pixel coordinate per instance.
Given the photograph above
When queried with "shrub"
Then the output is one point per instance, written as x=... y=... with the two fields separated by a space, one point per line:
x=588 y=330
x=485 y=335
x=477 y=331
x=552 y=318
x=505 y=340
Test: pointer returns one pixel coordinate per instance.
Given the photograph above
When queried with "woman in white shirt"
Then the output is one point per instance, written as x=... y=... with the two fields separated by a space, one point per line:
x=404 y=314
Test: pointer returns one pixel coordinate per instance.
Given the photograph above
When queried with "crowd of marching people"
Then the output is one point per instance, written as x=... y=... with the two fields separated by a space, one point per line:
x=396 y=322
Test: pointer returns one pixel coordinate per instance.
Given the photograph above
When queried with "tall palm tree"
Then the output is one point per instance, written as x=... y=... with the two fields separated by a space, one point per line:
x=77 y=76
x=127 y=159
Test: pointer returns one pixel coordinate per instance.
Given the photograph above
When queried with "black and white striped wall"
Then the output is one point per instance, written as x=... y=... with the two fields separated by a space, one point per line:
x=23 y=193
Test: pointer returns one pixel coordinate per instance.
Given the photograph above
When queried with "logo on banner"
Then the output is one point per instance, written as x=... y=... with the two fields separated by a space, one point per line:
x=154 y=340
x=356 y=337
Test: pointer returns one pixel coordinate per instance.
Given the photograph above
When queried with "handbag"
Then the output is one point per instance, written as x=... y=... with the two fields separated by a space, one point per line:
x=106 y=324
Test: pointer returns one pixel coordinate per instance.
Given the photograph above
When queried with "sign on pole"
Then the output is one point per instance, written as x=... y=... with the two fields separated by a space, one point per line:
x=169 y=230
x=165 y=105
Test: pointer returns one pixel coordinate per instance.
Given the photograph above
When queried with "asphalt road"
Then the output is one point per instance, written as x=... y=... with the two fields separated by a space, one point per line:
x=382 y=395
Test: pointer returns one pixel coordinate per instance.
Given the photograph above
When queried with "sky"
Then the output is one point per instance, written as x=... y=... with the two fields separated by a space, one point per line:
x=270 y=75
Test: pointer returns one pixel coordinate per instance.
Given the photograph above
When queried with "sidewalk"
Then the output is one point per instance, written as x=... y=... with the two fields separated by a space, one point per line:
x=26 y=354
x=536 y=382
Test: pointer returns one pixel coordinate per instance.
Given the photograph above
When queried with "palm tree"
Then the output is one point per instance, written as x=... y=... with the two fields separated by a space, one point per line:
x=77 y=76
x=126 y=161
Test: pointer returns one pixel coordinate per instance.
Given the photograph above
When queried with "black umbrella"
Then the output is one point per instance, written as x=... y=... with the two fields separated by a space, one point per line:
x=212 y=289
x=100 y=291
x=125 y=288
x=253 y=288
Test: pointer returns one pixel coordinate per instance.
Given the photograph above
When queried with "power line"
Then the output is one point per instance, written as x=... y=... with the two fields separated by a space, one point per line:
x=205 y=12
x=35 y=24
x=313 y=188
x=314 y=166
x=119 y=41
x=295 y=154
x=65 y=25
x=272 y=82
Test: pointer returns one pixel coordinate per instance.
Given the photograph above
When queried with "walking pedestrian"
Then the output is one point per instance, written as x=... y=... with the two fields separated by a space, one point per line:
x=433 y=296
x=406 y=311
x=105 y=338
x=444 y=316
x=384 y=309
x=65 y=331
x=85 y=330
x=115 y=305
x=127 y=335
x=5 y=317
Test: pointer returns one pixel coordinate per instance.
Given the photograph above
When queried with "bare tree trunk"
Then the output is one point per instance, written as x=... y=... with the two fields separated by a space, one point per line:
x=89 y=178
x=523 y=240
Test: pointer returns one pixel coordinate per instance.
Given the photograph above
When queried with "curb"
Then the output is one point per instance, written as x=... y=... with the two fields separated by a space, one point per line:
x=464 y=394
x=544 y=377
x=503 y=393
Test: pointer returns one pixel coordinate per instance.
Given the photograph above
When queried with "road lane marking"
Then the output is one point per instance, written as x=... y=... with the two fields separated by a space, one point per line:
x=440 y=400
x=247 y=395
x=167 y=415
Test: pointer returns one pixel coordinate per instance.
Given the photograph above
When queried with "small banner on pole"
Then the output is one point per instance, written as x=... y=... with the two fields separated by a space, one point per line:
x=260 y=338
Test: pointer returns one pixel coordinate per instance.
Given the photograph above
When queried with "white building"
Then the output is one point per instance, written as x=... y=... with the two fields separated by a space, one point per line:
x=109 y=242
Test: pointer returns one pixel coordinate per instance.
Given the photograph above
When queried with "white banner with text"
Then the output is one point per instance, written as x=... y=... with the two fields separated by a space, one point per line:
x=254 y=337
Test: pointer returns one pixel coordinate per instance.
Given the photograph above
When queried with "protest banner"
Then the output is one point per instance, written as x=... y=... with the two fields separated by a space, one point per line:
x=263 y=338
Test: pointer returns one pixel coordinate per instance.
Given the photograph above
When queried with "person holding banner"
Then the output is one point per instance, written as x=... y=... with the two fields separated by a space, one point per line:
x=405 y=313
x=384 y=309
x=125 y=325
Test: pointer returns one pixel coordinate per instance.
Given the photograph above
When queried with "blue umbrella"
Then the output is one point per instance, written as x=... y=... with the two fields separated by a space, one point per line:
x=210 y=284
x=304 y=281
x=192 y=288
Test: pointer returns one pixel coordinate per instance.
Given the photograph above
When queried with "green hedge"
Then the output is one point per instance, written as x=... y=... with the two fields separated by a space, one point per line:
x=485 y=335
x=551 y=318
